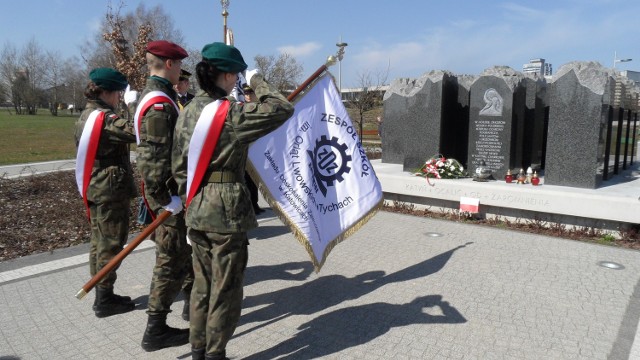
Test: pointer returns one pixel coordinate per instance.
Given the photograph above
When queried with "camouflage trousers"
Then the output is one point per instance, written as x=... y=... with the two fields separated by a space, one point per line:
x=219 y=262
x=109 y=232
x=173 y=269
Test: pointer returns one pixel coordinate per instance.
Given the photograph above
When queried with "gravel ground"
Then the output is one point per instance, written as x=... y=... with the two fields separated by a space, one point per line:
x=41 y=213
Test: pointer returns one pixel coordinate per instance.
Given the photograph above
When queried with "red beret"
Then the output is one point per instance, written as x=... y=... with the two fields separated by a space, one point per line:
x=166 y=49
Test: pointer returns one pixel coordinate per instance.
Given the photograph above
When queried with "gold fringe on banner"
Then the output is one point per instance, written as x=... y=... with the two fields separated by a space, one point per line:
x=297 y=233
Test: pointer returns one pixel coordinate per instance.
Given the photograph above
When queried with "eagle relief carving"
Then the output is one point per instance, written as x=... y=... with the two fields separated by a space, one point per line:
x=493 y=102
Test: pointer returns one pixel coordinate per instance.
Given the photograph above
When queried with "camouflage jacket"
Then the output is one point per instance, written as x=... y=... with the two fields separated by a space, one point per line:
x=226 y=207
x=154 y=151
x=111 y=177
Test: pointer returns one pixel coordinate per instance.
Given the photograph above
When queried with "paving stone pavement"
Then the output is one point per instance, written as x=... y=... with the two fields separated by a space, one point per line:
x=391 y=291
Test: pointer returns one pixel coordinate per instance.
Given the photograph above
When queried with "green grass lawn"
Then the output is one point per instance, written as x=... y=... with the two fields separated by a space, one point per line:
x=44 y=137
x=35 y=138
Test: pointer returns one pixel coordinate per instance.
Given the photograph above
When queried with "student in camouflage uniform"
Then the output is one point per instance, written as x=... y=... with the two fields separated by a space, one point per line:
x=173 y=254
x=221 y=212
x=111 y=187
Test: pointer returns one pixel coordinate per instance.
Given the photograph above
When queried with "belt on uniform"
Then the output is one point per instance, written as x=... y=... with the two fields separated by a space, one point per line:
x=110 y=161
x=221 y=177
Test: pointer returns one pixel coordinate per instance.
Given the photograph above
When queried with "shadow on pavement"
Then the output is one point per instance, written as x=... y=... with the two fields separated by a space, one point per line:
x=293 y=271
x=353 y=326
x=327 y=291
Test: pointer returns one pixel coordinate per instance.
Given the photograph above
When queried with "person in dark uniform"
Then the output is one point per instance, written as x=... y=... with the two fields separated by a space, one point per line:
x=182 y=88
x=105 y=180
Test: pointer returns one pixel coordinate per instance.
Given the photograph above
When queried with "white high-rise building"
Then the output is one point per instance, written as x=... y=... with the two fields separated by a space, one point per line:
x=538 y=67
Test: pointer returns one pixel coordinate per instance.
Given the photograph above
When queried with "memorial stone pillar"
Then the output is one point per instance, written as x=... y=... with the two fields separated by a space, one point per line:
x=580 y=99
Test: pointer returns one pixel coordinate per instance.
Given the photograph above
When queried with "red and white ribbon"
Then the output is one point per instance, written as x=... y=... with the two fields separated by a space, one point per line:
x=203 y=142
x=87 y=148
x=152 y=98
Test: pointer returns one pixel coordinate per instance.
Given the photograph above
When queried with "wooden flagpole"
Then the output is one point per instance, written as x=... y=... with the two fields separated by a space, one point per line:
x=330 y=61
x=307 y=82
x=122 y=254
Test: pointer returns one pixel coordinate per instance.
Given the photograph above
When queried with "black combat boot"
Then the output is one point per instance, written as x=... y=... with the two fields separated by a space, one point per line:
x=221 y=356
x=185 y=307
x=114 y=297
x=159 y=335
x=197 y=354
x=107 y=303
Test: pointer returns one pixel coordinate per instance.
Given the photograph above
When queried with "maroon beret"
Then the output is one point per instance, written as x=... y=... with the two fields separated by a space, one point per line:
x=166 y=49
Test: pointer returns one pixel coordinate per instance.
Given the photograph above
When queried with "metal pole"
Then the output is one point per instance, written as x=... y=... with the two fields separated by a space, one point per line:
x=340 y=77
x=616 y=60
x=225 y=13
x=341 y=45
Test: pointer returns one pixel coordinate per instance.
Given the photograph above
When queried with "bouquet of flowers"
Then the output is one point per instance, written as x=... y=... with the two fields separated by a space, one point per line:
x=440 y=167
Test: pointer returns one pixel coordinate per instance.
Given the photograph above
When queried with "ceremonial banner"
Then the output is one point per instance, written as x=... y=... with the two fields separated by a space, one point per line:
x=315 y=173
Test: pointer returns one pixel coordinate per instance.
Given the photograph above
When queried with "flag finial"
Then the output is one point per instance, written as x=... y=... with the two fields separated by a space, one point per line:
x=332 y=59
x=225 y=13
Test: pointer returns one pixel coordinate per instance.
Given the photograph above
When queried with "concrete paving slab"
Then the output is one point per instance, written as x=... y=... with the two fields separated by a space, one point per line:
x=389 y=291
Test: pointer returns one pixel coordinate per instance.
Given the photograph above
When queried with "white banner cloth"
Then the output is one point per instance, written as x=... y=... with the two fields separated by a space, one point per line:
x=316 y=173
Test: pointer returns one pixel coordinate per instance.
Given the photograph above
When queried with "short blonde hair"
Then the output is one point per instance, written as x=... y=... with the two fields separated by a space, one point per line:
x=155 y=62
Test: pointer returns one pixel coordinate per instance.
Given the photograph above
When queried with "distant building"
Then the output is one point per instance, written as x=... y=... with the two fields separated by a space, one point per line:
x=538 y=67
x=350 y=94
x=625 y=95
x=632 y=75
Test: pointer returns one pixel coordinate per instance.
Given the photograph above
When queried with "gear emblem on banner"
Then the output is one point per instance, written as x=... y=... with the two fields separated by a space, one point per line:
x=330 y=161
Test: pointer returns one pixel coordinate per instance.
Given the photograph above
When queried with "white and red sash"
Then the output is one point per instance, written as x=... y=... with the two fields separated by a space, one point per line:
x=149 y=100
x=203 y=141
x=87 y=148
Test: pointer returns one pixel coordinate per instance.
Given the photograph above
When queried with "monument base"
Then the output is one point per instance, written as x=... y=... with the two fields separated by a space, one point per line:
x=613 y=206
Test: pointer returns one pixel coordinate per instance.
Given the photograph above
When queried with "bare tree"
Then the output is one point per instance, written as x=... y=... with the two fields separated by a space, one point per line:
x=34 y=72
x=53 y=79
x=4 y=93
x=282 y=72
x=130 y=60
x=122 y=40
x=75 y=79
x=369 y=94
x=31 y=78
x=8 y=70
x=19 y=89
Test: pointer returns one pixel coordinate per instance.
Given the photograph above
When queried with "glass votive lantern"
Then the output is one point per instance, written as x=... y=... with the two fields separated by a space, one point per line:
x=509 y=177
x=535 y=180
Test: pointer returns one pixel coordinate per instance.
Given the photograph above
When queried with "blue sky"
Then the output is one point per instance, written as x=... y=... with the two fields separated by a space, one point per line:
x=408 y=37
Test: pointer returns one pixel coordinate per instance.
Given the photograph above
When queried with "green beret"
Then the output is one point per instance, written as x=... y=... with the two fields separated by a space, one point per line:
x=108 y=79
x=225 y=58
